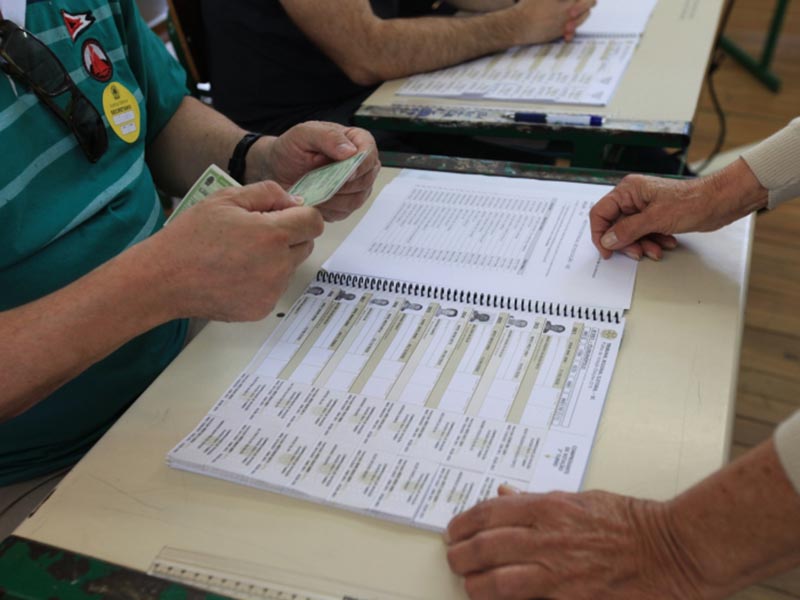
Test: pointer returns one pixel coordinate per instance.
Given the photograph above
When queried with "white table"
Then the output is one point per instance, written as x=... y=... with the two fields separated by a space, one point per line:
x=666 y=424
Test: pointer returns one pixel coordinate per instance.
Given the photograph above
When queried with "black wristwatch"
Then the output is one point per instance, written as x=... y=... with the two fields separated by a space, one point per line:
x=237 y=163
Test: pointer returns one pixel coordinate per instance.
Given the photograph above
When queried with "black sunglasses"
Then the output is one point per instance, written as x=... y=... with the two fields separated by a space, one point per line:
x=28 y=60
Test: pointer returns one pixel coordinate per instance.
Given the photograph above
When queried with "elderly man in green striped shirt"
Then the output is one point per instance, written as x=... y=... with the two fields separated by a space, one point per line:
x=94 y=294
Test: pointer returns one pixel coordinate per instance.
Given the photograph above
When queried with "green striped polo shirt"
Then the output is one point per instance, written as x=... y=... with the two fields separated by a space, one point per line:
x=61 y=216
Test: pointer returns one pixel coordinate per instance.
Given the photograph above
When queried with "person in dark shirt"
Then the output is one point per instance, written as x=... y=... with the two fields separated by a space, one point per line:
x=277 y=63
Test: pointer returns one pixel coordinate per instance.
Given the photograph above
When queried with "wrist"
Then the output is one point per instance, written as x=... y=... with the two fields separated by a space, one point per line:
x=238 y=162
x=738 y=190
x=740 y=523
x=152 y=273
x=259 y=161
x=667 y=554
x=503 y=28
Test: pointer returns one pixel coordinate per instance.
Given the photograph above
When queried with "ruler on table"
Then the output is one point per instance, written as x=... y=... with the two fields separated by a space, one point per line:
x=249 y=581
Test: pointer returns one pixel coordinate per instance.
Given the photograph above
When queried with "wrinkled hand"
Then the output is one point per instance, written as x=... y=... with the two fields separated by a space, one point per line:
x=547 y=20
x=313 y=144
x=641 y=216
x=589 y=546
x=230 y=257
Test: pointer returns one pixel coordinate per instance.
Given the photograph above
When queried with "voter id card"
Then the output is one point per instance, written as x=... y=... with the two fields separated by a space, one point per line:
x=319 y=185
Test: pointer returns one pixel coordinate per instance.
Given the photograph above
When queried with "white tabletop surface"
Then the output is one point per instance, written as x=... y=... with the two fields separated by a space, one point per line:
x=666 y=424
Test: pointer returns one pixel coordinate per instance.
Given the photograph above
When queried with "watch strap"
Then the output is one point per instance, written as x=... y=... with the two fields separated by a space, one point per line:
x=238 y=163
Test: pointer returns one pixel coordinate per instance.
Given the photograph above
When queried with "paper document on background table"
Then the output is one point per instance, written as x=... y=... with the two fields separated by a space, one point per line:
x=212 y=180
x=617 y=18
x=322 y=184
x=585 y=71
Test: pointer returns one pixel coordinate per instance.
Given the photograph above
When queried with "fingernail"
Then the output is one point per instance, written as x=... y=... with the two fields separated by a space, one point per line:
x=671 y=244
x=609 y=240
x=345 y=147
x=446 y=536
x=298 y=199
x=632 y=255
x=510 y=489
x=652 y=256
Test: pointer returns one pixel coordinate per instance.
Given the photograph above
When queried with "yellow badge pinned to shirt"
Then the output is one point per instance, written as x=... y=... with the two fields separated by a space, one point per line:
x=122 y=112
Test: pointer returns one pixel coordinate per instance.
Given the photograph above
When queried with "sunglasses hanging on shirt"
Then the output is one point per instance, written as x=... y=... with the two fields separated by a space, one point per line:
x=28 y=60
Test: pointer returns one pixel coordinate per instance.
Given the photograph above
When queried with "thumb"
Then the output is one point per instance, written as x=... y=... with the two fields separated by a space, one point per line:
x=264 y=196
x=628 y=230
x=333 y=143
x=507 y=490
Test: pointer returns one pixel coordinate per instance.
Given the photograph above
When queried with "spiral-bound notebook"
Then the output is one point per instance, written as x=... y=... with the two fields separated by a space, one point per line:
x=463 y=335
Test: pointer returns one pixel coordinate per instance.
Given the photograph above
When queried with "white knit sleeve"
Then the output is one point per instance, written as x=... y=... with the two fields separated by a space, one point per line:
x=787 y=443
x=776 y=163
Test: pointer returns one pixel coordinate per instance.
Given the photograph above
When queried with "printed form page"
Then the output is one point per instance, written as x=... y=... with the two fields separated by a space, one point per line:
x=526 y=239
x=584 y=71
x=618 y=17
x=409 y=411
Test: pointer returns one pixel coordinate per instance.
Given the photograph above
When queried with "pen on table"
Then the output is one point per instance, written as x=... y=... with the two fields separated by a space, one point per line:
x=557 y=119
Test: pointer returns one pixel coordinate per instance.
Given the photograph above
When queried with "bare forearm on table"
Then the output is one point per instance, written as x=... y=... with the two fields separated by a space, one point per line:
x=50 y=341
x=739 y=525
x=370 y=50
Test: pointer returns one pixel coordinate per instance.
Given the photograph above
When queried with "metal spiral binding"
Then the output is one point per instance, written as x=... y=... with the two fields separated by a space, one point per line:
x=552 y=309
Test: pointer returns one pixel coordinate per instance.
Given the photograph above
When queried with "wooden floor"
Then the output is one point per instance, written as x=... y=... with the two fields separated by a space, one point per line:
x=769 y=380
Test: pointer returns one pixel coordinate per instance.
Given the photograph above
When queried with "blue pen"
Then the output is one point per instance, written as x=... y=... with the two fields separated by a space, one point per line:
x=558 y=119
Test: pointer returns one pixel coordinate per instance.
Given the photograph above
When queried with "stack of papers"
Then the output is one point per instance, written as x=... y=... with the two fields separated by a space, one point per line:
x=618 y=18
x=584 y=71
x=445 y=348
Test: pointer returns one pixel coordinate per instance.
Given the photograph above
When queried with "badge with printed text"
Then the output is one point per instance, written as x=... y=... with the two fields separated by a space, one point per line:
x=77 y=23
x=96 y=61
x=122 y=111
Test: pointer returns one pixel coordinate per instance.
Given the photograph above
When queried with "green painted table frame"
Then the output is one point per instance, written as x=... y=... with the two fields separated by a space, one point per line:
x=760 y=67
x=31 y=571
x=479 y=166
x=590 y=145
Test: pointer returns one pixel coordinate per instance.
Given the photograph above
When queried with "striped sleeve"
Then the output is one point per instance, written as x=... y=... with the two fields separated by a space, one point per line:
x=787 y=443
x=776 y=164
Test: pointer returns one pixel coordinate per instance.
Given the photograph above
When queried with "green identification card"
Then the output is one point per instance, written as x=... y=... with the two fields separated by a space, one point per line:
x=314 y=187
x=212 y=180
x=319 y=185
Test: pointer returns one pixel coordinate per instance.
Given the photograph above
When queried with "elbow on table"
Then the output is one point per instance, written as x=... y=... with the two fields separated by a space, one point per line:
x=362 y=73
x=8 y=412
x=13 y=405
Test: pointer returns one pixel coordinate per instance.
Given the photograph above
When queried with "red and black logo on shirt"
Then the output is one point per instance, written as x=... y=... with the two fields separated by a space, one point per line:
x=96 y=61
x=77 y=23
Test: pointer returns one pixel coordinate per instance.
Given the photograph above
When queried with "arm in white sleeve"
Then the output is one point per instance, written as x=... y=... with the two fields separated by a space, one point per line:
x=787 y=444
x=776 y=163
